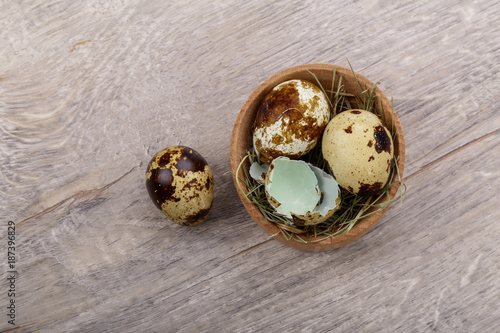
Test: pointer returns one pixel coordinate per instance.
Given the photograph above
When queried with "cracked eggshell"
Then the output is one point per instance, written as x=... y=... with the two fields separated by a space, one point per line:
x=359 y=150
x=180 y=183
x=330 y=196
x=290 y=120
x=301 y=192
x=258 y=172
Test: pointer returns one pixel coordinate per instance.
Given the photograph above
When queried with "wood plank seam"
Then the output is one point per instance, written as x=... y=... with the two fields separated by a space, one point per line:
x=77 y=196
x=451 y=153
x=245 y=251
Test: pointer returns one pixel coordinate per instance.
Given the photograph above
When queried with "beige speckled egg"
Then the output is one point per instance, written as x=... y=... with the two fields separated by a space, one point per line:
x=359 y=150
x=290 y=120
x=180 y=183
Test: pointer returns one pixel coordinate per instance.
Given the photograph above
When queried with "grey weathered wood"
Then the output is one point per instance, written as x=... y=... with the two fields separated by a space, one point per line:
x=89 y=91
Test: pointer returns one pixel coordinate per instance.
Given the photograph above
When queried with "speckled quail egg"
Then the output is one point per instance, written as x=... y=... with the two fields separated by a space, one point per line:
x=180 y=183
x=300 y=191
x=290 y=120
x=359 y=150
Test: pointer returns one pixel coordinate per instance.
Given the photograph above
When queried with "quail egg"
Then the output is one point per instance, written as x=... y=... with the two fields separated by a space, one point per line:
x=300 y=191
x=358 y=148
x=180 y=183
x=290 y=120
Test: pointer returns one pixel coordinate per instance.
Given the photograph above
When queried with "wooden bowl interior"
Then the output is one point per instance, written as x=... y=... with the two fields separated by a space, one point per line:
x=241 y=141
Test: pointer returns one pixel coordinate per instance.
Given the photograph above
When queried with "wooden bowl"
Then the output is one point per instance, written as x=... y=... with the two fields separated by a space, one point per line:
x=241 y=141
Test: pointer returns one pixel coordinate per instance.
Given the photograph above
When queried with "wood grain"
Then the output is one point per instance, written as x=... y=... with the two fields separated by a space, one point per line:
x=90 y=91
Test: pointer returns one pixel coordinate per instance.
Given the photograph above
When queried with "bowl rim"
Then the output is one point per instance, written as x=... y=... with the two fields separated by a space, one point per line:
x=240 y=137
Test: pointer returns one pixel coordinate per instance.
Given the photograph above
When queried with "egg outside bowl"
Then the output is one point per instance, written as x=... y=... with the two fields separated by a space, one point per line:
x=241 y=142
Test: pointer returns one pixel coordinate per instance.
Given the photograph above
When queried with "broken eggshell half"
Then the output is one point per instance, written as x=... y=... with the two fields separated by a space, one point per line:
x=300 y=191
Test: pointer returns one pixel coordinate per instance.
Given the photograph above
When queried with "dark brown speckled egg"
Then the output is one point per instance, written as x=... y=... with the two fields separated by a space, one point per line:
x=290 y=120
x=180 y=183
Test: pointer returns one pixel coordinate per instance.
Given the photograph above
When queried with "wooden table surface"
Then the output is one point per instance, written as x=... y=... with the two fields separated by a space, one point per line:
x=91 y=90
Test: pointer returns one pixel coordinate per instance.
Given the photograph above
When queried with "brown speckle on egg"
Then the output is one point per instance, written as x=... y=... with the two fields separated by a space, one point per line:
x=180 y=183
x=382 y=140
x=367 y=190
x=298 y=221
